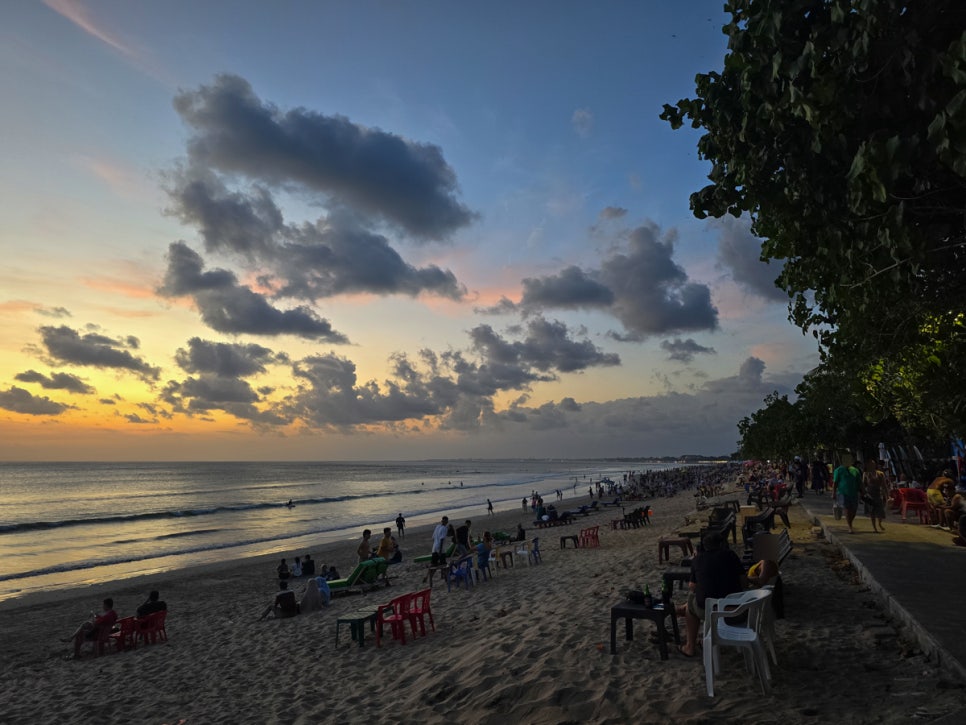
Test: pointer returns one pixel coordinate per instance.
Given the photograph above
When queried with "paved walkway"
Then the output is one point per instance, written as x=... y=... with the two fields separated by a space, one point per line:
x=916 y=571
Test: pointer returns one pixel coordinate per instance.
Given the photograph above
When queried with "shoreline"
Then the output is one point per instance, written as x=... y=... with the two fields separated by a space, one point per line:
x=340 y=553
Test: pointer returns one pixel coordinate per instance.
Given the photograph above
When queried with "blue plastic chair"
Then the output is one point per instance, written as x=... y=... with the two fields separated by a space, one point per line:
x=460 y=571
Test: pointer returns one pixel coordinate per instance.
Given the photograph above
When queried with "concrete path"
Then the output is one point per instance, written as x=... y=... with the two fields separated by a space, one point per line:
x=916 y=570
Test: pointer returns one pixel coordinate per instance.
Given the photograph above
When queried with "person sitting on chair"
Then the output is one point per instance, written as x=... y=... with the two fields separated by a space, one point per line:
x=282 y=569
x=521 y=533
x=94 y=629
x=153 y=604
x=285 y=604
x=385 y=544
x=762 y=573
x=716 y=572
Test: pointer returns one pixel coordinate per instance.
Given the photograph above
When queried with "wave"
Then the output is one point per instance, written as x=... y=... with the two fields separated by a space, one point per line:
x=120 y=559
x=14 y=528
x=178 y=513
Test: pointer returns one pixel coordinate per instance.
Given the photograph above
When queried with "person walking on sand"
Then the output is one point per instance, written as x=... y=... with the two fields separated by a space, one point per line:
x=489 y=507
x=524 y=502
x=401 y=525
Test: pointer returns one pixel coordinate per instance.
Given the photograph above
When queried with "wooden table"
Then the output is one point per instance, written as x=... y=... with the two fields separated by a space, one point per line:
x=357 y=624
x=629 y=611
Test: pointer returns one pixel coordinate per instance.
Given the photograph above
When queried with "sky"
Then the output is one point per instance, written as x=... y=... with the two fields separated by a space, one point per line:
x=370 y=230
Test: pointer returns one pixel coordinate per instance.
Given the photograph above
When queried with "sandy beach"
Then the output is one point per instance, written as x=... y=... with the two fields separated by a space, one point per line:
x=531 y=645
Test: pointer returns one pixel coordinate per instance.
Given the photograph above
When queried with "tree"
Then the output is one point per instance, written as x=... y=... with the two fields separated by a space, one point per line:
x=839 y=126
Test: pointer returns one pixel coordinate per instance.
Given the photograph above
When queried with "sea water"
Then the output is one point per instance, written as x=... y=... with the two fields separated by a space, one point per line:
x=64 y=525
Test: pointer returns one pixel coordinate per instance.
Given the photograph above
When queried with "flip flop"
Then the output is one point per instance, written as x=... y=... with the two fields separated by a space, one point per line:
x=681 y=650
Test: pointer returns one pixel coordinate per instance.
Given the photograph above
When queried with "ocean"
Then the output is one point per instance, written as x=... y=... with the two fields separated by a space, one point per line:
x=65 y=525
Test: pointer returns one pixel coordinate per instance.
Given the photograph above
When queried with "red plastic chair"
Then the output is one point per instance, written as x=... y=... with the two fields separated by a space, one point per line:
x=152 y=627
x=419 y=609
x=912 y=499
x=395 y=614
x=126 y=636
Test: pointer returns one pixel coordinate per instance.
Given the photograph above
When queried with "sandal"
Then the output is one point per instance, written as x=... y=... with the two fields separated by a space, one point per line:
x=681 y=650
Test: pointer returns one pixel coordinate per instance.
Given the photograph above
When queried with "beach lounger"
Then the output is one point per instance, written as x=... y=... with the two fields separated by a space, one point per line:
x=364 y=575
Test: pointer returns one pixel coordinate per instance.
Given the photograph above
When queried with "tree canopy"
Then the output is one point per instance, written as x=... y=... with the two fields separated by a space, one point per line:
x=839 y=126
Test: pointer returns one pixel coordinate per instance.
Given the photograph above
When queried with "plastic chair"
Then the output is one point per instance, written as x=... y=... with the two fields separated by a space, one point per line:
x=395 y=614
x=419 y=609
x=483 y=565
x=461 y=571
x=913 y=499
x=522 y=549
x=535 y=550
x=126 y=636
x=152 y=626
x=718 y=633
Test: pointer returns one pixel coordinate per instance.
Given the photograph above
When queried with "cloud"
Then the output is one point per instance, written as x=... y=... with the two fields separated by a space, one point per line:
x=19 y=400
x=612 y=212
x=78 y=14
x=546 y=347
x=641 y=286
x=583 y=122
x=67 y=345
x=228 y=307
x=739 y=251
x=570 y=289
x=336 y=255
x=406 y=183
x=56 y=381
x=56 y=312
x=684 y=350
x=225 y=359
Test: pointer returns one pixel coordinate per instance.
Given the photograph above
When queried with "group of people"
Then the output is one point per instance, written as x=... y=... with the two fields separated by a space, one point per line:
x=388 y=548
x=304 y=568
x=99 y=626
x=315 y=596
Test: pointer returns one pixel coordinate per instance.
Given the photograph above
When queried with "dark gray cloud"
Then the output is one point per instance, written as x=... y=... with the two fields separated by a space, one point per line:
x=226 y=359
x=454 y=387
x=504 y=307
x=546 y=347
x=207 y=392
x=570 y=289
x=641 y=286
x=739 y=251
x=57 y=312
x=331 y=396
x=22 y=401
x=55 y=381
x=228 y=307
x=406 y=183
x=684 y=350
x=336 y=255
x=66 y=345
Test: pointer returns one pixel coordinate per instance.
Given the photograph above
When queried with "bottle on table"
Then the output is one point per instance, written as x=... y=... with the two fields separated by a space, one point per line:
x=647 y=596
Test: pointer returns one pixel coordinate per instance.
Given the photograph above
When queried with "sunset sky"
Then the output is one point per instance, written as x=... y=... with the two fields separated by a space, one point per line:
x=369 y=230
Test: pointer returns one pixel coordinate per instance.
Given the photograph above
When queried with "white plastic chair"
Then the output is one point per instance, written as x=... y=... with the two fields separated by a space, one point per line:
x=767 y=630
x=746 y=637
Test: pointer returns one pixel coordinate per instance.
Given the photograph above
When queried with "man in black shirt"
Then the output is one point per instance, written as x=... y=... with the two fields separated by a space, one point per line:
x=715 y=572
x=153 y=604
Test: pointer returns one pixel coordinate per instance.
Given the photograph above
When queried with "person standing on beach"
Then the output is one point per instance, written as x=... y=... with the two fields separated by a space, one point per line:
x=489 y=507
x=463 y=539
x=401 y=525
x=524 y=502
x=439 y=535
x=365 y=550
